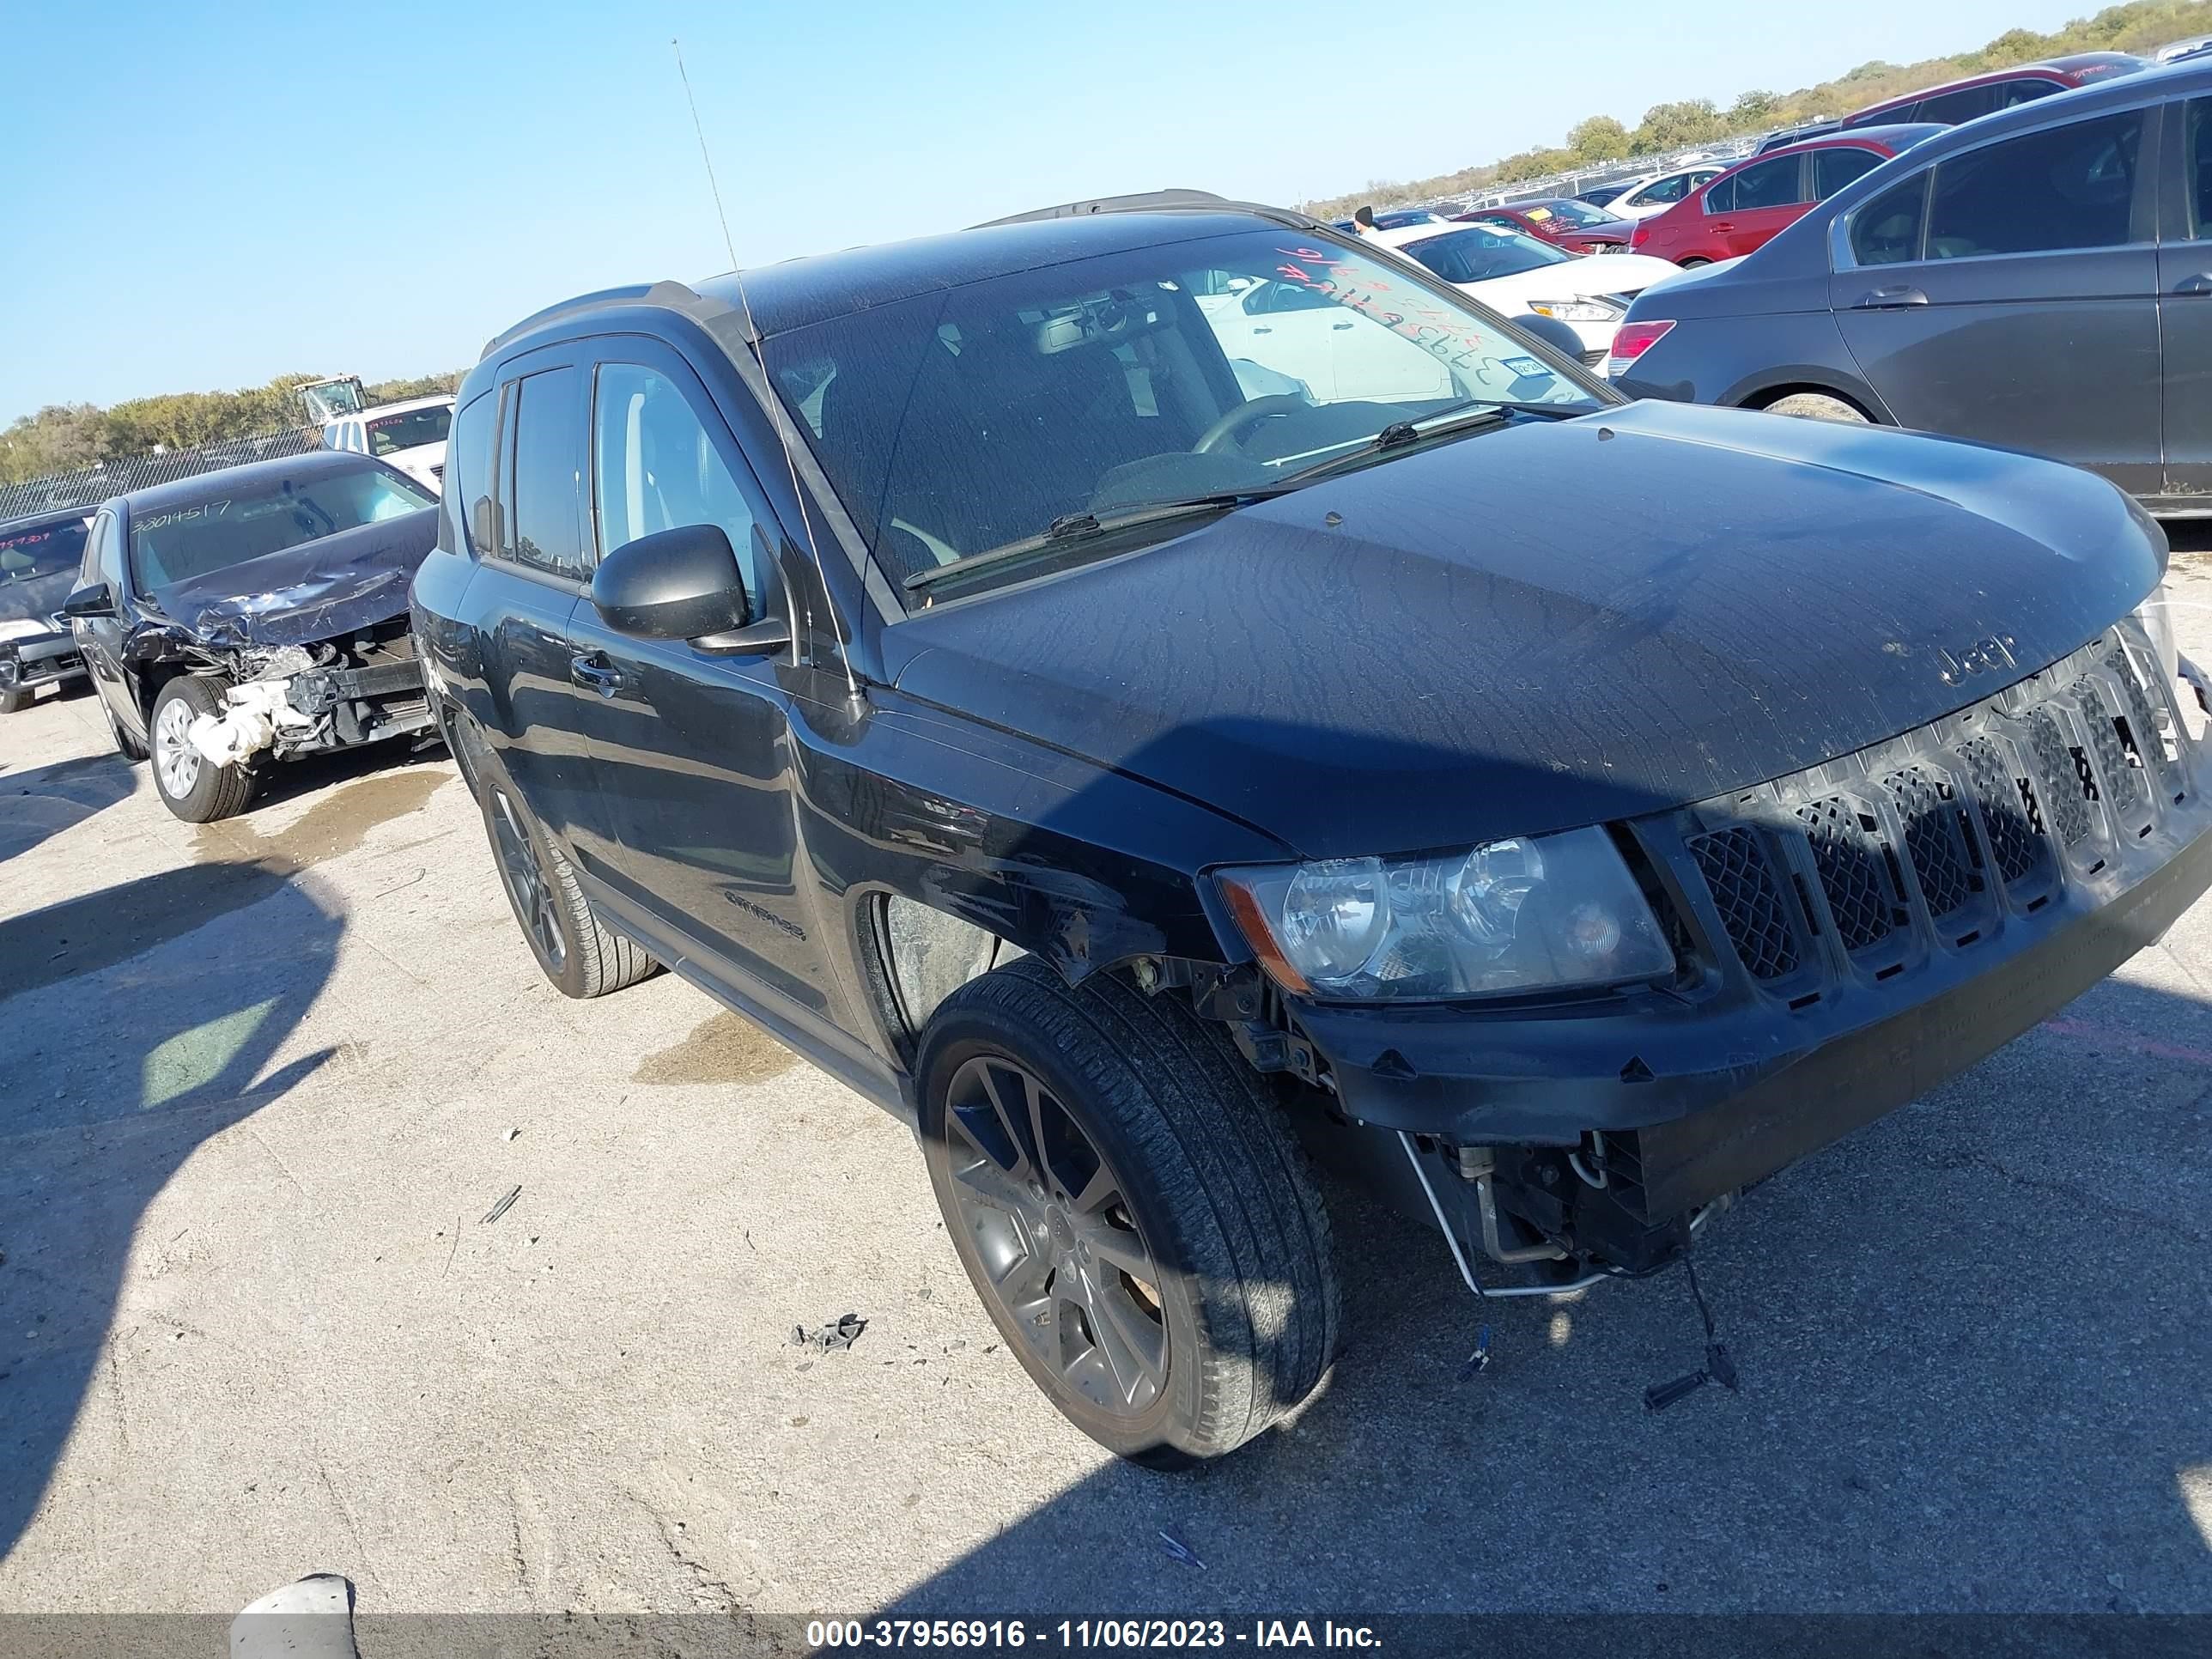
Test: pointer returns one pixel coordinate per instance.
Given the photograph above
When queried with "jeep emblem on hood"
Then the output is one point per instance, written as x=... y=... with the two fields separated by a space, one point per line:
x=1991 y=652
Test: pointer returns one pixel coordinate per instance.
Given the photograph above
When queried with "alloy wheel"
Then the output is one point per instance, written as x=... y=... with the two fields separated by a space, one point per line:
x=1059 y=1246
x=175 y=760
x=523 y=872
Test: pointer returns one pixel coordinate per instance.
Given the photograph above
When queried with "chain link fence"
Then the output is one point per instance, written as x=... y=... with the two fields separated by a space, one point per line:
x=88 y=486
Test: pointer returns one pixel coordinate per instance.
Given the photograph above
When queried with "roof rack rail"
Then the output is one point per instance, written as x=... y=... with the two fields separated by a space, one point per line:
x=661 y=293
x=1151 y=201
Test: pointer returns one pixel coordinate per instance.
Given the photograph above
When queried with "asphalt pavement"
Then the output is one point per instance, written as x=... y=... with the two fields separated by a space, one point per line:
x=265 y=1082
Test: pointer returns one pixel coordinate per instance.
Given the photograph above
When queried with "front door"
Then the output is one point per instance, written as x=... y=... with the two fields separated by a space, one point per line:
x=693 y=751
x=2009 y=294
x=100 y=639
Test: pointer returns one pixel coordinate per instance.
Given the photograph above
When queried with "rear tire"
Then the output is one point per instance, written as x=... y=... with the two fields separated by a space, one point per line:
x=1692 y=265
x=581 y=954
x=190 y=785
x=1818 y=406
x=15 y=699
x=1137 y=1097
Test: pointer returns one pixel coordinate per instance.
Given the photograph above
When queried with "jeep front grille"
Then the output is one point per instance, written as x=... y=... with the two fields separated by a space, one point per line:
x=1931 y=839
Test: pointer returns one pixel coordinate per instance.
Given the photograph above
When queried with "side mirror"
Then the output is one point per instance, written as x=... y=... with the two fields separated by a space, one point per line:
x=93 y=599
x=1560 y=337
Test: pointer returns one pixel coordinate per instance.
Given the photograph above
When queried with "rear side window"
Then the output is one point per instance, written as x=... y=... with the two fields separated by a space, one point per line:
x=1667 y=190
x=1887 y=230
x=2199 y=154
x=1777 y=183
x=469 y=491
x=655 y=467
x=1834 y=168
x=2025 y=92
x=2066 y=187
x=543 y=530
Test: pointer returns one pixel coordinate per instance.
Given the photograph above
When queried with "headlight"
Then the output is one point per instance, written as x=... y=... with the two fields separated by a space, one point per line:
x=23 y=628
x=1536 y=912
x=2157 y=620
x=1575 y=311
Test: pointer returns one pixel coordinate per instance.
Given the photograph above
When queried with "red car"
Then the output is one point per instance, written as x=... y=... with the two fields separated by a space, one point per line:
x=1740 y=210
x=1955 y=101
x=1561 y=221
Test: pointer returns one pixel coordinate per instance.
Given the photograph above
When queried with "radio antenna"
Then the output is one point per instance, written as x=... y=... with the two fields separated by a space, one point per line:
x=776 y=411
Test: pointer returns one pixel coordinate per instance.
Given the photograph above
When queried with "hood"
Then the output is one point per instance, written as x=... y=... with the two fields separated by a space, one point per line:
x=331 y=586
x=1610 y=273
x=1733 y=597
x=39 y=599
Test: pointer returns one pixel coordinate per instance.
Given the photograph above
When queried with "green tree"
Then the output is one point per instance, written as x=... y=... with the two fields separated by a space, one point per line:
x=1598 y=138
x=1670 y=126
x=1751 y=109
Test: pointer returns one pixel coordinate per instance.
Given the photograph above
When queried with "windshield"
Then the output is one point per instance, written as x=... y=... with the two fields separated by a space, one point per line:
x=1577 y=214
x=410 y=429
x=960 y=421
x=176 y=544
x=27 y=556
x=1482 y=251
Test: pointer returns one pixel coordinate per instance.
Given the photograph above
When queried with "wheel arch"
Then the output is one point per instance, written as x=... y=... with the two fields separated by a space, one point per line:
x=1774 y=385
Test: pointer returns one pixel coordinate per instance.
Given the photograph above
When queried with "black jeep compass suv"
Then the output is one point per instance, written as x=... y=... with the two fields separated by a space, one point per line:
x=1086 y=682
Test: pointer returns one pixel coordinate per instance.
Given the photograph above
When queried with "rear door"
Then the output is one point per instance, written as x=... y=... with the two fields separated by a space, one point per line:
x=693 y=751
x=1762 y=200
x=2185 y=287
x=521 y=468
x=2009 y=294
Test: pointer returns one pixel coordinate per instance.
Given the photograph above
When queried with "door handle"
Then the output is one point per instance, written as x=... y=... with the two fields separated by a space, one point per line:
x=1891 y=299
x=1721 y=227
x=1339 y=328
x=1256 y=329
x=595 y=672
x=2201 y=283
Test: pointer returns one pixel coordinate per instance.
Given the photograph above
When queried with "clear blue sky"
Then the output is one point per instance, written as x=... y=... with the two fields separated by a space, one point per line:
x=202 y=197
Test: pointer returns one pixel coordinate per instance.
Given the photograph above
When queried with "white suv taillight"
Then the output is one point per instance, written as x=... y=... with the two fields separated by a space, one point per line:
x=1630 y=340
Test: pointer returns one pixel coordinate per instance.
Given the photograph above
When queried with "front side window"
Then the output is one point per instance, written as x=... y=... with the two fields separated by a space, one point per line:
x=544 y=474
x=468 y=467
x=2198 y=156
x=2064 y=187
x=1887 y=230
x=2026 y=92
x=103 y=553
x=30 y=556
x=1834 y=168
x=655 y=467
x=227 y=526
x=974 y=418
x=1777 y=183
x=1950 y=108
x=410 y=429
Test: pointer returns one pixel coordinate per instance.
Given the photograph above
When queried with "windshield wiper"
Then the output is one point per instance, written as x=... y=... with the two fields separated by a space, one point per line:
x=1071 y=527
x=1452 y=417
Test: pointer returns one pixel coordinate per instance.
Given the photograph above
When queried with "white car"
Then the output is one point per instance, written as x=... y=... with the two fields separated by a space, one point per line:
x=1516 y=274
x=1654 y=193
x=411 y=435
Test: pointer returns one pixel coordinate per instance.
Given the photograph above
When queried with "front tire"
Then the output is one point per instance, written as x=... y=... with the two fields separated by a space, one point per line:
x=581 y=954
x=190 y=785
x=1131 y=1208
x=15 y=699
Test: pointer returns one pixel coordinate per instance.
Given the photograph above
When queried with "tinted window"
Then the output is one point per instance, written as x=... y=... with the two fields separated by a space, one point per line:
x=2023 y=92
x=27 y=556
x=2199 y=154
x=1769 y=184
x=1887 y=230
x=544 y=492
x=468 y=467
x=1953 y=107
x=104 y=554
x=1666 y=190
x=2070 y=187
x=233 y=523
x=1834 y=168
x=1720 y=195
x=656 y=468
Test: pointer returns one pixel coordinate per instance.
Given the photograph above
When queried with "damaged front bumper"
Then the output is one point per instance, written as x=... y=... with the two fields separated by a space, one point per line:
x=1849 y=937
x=293 y=704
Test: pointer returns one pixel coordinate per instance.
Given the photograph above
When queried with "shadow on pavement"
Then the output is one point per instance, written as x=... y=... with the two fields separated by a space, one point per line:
x=151 y=1032
x=1973 y=1359
x=41 y=802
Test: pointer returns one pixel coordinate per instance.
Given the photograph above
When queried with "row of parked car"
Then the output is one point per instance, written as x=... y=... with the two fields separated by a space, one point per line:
x=1094 y=683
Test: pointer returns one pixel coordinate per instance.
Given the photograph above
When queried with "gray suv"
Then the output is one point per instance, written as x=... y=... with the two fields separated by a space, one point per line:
x=2040 y=278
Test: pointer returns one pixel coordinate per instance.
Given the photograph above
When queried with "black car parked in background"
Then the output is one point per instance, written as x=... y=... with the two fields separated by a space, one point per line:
x=252 y=614
x=933 y=652
x=39 y=558
x=2040 y=278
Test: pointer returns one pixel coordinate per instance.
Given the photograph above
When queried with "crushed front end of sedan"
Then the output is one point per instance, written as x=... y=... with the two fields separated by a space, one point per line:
x=254 y=615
